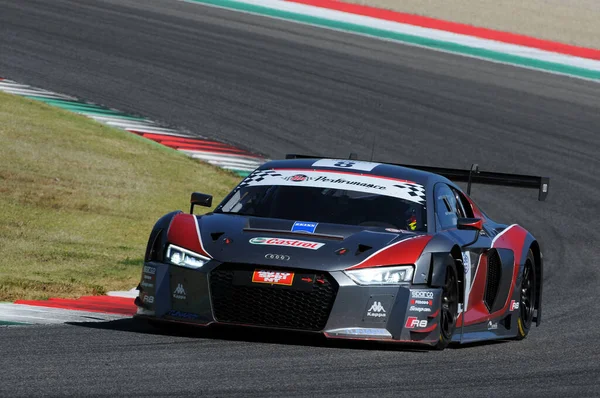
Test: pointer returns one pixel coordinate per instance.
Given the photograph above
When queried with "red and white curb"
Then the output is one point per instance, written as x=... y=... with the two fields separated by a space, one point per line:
x=438 y=35
x=216 y=153
x=113 y=306
x=451 y=31
x=59 y=311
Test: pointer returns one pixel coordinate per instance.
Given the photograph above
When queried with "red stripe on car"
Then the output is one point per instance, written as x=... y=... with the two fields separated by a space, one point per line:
x=184 y=232
x=404 y=252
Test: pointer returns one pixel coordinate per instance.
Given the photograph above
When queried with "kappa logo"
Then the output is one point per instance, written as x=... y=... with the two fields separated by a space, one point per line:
x=179 y=292
x=376 y=310
x=377 y=307
x=179 y=289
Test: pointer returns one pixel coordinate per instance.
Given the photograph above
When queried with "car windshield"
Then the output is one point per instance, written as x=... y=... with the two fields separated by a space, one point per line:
x=346 y=200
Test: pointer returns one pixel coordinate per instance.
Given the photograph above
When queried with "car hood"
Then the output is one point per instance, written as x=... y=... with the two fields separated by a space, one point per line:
x=271 y=242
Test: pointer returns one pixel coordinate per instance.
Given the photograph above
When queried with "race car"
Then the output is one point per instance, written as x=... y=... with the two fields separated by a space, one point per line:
x=351 y=249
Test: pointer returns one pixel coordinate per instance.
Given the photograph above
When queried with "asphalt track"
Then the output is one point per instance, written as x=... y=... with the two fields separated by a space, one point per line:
x=280 y=87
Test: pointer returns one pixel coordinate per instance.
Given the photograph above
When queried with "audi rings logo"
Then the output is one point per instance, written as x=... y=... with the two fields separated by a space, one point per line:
x=280 y=257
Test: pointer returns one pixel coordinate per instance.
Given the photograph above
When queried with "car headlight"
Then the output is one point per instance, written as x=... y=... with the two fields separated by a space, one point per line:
x=382 y=275
x=184 y=258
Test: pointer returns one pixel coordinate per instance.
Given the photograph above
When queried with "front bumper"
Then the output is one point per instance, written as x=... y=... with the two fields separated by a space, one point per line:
x=330 y=303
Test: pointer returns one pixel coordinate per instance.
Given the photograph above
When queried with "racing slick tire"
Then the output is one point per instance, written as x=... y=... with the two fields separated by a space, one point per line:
x=449 y=307
x=527 y=297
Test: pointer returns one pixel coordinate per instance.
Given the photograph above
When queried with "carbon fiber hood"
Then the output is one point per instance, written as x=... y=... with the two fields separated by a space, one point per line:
x=271 y=242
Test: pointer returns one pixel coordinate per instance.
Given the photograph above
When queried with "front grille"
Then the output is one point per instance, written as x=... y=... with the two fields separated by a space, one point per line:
x=493 y=278
x=303 y=305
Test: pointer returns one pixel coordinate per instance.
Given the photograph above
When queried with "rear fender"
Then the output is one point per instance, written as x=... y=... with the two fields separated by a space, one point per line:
x=521 y=241
x=539 y=276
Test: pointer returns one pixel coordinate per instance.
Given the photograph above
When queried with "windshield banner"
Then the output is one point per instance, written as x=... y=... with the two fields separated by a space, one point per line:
x=396 y=188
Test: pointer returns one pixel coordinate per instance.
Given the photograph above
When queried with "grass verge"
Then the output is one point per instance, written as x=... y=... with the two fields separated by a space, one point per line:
x=79 y=199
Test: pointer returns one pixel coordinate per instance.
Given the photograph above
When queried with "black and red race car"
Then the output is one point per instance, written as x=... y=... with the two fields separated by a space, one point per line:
x=350 y=249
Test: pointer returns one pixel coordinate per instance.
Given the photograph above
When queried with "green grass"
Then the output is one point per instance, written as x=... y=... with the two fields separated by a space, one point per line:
x=79 y=199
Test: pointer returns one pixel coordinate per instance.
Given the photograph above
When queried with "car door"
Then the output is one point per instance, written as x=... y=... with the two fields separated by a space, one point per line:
x=450 y=204
x=486 y=289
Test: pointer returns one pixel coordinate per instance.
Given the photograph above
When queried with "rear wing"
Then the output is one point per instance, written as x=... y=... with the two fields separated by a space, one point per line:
x=474 y=175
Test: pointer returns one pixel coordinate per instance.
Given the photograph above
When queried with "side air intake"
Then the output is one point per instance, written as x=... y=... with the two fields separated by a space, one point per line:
x=493 y=279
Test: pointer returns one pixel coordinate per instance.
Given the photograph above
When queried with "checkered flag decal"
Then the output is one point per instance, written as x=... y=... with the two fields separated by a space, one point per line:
x=417 y=191
x=257 y=176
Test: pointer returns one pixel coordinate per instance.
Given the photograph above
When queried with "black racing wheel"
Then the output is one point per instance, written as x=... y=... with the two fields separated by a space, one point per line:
x=449 y=306
x=527 y=298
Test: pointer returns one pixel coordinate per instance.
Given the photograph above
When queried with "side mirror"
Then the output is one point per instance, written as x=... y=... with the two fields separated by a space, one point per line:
x=473 y=224
x=200 y=199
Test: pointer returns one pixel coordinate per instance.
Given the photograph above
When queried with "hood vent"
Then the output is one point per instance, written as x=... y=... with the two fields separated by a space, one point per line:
x=216 y=235
x=362 y=248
